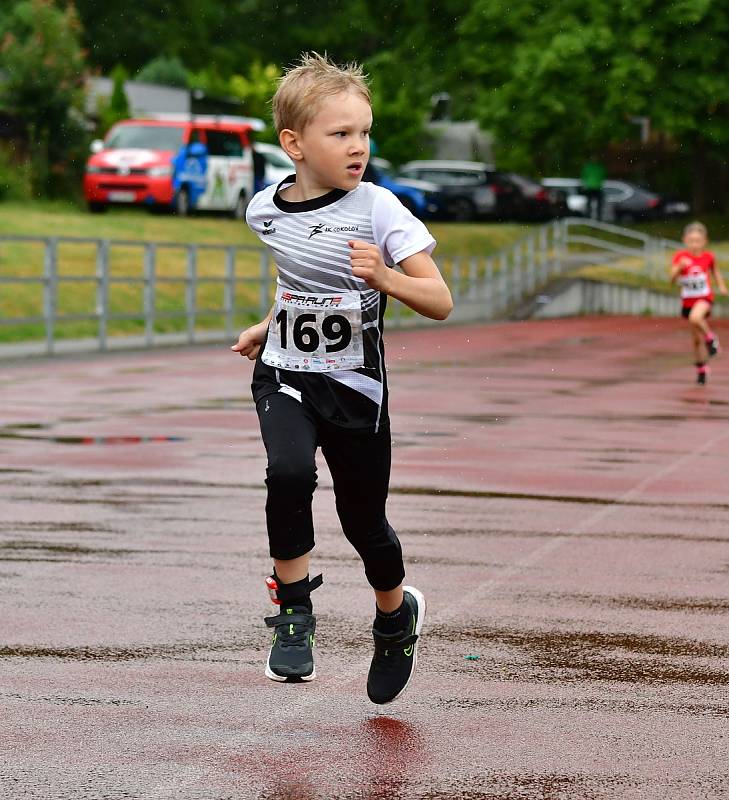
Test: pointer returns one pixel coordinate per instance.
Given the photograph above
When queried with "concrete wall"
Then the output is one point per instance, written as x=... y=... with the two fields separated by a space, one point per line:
x=579 y=296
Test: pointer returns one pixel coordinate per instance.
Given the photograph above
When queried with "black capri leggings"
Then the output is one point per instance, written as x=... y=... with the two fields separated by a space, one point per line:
x=360 y=467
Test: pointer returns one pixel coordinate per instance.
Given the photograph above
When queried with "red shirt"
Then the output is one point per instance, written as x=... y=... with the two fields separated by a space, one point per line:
x=695 y=276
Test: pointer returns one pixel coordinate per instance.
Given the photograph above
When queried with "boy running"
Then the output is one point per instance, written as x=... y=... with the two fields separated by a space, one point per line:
x=692 y=269
x=319 y=378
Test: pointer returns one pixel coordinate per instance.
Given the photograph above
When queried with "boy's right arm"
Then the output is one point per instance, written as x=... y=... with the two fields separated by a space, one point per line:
x=250 y=341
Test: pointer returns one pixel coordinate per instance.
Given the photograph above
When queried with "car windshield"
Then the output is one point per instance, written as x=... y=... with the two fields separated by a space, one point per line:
x=149 y=137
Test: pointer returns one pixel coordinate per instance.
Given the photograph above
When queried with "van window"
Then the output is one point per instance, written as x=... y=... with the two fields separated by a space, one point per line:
x=148 y=137
x=224 y=143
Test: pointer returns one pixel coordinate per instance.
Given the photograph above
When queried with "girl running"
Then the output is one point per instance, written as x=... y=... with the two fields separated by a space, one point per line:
x=693 y=269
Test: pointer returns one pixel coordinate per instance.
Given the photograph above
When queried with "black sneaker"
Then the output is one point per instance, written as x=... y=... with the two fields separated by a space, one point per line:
x=396 y=655
x=292 y=658
x=701 y=376
x=712 y=345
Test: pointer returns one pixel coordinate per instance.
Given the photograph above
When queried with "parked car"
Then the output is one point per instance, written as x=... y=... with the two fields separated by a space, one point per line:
x=474 y=189
x=571 y=188
x=179 y=162
x=278 y=164
x=422 y=198
x=468 y=188
x=623 y=201
x=536 y=202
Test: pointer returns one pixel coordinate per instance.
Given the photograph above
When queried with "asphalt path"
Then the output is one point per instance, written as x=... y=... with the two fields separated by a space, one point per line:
x=560 y=489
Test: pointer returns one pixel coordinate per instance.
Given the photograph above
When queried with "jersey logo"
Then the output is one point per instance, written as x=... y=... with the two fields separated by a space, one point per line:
x=267 y=229
x=322 y=228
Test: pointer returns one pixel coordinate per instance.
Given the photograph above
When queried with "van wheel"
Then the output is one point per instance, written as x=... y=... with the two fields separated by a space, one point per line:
x=182 y=203
x=239 y=211
x=98 y=208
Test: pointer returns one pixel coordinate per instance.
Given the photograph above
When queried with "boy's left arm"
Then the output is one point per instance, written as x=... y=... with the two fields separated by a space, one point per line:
x=420 y=285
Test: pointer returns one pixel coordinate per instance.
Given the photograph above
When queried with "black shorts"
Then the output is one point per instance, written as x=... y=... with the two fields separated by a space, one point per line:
x=686 y=310
x=359 y=462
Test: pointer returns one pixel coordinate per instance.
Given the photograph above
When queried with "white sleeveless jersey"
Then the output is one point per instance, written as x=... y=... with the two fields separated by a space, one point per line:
x=324 y=344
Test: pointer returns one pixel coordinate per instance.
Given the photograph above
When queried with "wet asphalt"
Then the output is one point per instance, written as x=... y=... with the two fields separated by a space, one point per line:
x=561 y=493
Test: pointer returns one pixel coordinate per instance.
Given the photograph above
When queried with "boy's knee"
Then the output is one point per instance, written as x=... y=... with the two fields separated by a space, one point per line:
x=291 y=475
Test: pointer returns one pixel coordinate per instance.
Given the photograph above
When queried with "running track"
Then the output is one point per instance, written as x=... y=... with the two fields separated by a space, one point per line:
x=560 y=489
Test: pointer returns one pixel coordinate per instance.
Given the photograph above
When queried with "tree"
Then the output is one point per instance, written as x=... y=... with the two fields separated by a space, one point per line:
x=558 y=80
x=44 y=72
x=166 y=71
x=117 y=106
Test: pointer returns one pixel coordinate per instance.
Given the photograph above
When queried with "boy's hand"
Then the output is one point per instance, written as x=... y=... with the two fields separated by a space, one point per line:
x=367 y=263
x=249 y=343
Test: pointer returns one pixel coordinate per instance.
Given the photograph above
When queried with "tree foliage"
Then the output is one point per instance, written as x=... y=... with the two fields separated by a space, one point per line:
x=557 y=80
x=44 y=69
x=166 y=71
x=553 y=81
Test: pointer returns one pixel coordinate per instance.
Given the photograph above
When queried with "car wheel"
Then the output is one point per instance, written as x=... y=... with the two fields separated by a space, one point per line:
x=239 y=211
x=626 y=217
x=409 y=204
x=462 y=210
x=98 y=208
x=182 y=203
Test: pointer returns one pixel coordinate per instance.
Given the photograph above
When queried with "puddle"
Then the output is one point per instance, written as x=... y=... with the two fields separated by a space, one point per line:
x=594 y=656
x=696 y=604
x=186 y=650
x=7 y=433
x=26 y=550
x=590 y=704
x=72 y=701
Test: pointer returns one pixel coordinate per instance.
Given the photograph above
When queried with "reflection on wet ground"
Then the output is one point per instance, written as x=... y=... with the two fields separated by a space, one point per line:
x=110 y=440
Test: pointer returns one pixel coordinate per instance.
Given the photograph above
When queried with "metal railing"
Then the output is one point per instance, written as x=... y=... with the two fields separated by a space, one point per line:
x=142 y=272
x=169 y=278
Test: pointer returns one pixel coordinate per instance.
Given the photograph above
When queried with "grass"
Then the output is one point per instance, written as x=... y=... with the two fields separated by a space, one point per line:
x=126 y=293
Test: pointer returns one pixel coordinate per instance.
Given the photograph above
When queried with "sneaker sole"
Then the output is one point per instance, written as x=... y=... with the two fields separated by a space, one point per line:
x=287 y=678
x=420 y=600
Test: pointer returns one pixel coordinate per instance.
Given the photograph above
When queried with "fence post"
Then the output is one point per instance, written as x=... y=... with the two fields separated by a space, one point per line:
x=229 y=291
x=489 y=288
x=191 y=292
x=456 y=277
x=50 y=290
x=561 y=233
x=516 y=285
x=150 y=255
x=531 y=276
x=503 y=269
x=265 y=305
x=473 y=278
x=544 y=254
x=102 y=291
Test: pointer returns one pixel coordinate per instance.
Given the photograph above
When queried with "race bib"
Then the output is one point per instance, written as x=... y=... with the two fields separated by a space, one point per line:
x=694 y=286
x=315 y=332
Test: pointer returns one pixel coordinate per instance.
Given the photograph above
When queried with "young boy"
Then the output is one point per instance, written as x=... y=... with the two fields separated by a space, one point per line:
x=319 y=378
x=693 y=268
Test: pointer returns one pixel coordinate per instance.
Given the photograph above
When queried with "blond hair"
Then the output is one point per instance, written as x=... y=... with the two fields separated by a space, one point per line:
x=302 y=88
x=697 y=227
